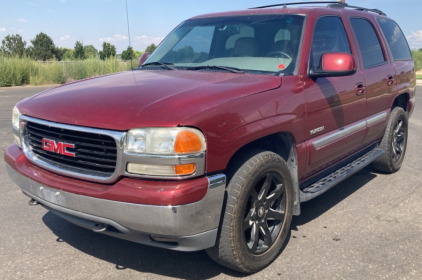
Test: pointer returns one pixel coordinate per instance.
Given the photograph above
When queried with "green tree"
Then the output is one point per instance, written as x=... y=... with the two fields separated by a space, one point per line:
x=13 y=45
x=28 y=51
x=108 y=51
x=69 y=54
x=138 y=54
x=43 y=47
x=417 y=58
x=90 y=51
x=128 y=54
x=79 y=51
x=151 y=48
x=60 y=53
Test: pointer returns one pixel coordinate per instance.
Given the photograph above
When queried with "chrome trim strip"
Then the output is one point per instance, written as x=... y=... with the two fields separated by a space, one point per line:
x=377 y=118
x=339 y=134
x=74 y=172
x=343 y=132
x=180 y=220
x=216 y=181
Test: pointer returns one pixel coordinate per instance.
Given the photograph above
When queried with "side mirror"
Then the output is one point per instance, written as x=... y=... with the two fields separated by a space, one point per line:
x=334 y=65
x=143 y=58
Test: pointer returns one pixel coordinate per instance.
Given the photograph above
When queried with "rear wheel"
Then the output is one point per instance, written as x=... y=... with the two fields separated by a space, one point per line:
x=394 y=143
x=257 y=215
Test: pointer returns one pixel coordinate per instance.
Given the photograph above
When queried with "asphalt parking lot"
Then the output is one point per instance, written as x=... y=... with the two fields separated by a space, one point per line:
x=368 y=227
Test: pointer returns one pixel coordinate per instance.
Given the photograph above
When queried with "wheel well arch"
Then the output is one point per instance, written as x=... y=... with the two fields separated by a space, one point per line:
x=283 y=144
x=402 y=101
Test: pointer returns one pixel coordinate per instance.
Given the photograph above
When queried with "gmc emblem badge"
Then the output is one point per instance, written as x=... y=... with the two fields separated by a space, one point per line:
x=59 y=148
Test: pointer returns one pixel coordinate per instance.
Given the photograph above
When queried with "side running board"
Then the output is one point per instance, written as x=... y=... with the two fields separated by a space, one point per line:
x=336 y=177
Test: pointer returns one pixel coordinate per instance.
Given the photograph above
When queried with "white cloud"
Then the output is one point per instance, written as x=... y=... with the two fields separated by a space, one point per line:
x=2 y=29
x=116 y=37
x=144 y=39
x=65 y=37
x=415 y=40
x=22 y=20
x=16 y=29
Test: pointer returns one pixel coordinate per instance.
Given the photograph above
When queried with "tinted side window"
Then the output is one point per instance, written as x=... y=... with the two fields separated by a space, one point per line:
x=395 y=39
x=369 y=44
x=329 y=36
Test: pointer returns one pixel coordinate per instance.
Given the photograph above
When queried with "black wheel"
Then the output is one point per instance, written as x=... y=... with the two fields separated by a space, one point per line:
x=257 y=214
x=394 y=143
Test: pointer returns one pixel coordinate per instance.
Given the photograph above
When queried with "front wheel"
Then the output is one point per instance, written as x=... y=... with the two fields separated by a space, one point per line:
x=258 y=213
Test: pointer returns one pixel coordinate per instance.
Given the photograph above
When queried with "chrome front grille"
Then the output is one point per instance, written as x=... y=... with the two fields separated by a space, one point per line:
x=97 y=152
x=93 y=152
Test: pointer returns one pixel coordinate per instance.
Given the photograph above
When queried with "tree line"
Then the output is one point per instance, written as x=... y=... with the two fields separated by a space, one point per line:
x=43 y=48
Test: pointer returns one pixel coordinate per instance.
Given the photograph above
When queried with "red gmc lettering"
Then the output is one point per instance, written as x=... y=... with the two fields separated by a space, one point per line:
x=59 y=148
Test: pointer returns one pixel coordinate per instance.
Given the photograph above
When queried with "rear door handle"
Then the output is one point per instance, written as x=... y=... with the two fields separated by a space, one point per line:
x=360 y=89
x=390 y=81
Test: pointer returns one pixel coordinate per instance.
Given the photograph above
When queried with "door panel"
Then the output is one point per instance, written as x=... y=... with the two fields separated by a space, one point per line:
x=335 y=109
x=332 y=103
x=379 y=75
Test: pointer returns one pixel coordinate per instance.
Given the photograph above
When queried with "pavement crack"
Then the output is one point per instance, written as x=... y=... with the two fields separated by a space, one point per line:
x=413 y=167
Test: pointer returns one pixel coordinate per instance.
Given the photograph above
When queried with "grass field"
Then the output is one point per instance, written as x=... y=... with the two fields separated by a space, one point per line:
x=419 y=76
x=19 y=72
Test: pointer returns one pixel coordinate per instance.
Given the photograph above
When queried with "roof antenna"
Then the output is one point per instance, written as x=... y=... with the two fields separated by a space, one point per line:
x=128 y=33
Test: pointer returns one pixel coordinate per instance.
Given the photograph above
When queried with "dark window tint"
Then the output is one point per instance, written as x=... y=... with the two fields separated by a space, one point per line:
x=369 y=45
x=329 y=36
x=395 y=38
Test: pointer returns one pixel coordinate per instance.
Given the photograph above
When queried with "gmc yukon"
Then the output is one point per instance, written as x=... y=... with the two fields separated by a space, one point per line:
x=223 y=131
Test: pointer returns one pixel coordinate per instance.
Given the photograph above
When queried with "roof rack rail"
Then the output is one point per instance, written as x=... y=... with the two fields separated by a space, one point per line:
x=332 y=5
x=340 y=5
x=297 y=3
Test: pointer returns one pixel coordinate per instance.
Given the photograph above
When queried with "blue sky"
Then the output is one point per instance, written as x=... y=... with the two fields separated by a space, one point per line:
x=96 y=21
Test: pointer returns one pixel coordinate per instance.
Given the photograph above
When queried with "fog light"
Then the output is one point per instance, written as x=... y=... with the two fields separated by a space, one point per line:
x=161 y=170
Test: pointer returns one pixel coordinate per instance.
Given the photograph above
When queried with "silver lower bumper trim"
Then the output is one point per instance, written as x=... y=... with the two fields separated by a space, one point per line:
x=136 y=222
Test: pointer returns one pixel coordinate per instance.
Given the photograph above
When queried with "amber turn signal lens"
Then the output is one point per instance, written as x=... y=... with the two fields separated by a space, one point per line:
x=187 y=142
x=185 y=169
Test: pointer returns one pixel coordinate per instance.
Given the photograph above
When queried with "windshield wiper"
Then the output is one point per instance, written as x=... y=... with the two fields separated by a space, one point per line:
x=165 y=65
x=226 y=68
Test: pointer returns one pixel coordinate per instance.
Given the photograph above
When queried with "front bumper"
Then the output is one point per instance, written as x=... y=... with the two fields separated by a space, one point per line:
x=188 y=227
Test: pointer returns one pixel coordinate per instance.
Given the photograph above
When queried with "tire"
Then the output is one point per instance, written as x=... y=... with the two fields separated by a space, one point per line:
x=254 y=228
x=393 y=143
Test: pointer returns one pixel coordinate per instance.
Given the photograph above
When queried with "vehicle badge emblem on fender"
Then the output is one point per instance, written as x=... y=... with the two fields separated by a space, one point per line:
x=316 y=130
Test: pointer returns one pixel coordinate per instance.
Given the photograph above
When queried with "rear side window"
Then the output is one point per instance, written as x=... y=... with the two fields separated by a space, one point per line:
x=369 y=44
x=395 y=39
x=329 y=36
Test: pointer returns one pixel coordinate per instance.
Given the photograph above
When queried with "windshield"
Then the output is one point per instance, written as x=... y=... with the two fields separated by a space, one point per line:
x=266 y=44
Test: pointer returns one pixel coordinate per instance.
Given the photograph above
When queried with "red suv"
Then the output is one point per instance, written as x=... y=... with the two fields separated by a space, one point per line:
x=216 y=139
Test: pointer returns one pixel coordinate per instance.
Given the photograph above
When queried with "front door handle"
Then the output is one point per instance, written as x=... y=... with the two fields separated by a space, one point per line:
x=390 y=81
x=360 y=89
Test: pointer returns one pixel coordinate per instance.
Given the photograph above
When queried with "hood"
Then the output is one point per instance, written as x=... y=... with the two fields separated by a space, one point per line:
x=135 y=99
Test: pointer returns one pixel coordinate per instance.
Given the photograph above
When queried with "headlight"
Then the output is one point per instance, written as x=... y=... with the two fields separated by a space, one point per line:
x=16 y=126
x=165 y=141
x=15 y=118
x=165 y=152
